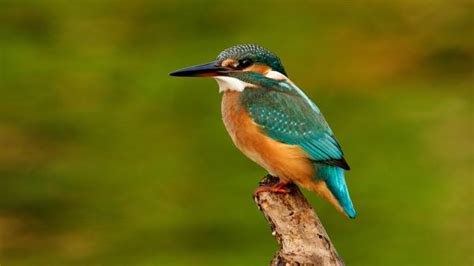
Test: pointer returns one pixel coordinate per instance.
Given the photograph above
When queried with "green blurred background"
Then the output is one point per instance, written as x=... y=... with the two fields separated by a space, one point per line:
x=106 y=160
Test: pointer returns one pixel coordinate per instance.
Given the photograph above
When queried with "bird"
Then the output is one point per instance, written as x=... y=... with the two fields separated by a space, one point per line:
x=275 y=124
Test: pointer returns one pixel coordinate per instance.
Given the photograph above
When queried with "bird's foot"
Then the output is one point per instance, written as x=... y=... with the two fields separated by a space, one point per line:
x=280 y=187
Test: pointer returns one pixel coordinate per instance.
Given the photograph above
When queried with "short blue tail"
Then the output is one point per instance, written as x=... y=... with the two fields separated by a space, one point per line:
x=334 y=178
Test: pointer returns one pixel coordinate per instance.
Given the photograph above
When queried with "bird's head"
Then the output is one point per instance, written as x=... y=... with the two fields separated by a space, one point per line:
x=239 y=67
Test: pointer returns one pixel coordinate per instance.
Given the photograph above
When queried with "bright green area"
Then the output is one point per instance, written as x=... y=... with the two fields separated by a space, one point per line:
x=106 y=160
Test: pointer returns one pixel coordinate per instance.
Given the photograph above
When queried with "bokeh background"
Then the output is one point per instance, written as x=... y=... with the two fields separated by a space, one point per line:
x=106 y=160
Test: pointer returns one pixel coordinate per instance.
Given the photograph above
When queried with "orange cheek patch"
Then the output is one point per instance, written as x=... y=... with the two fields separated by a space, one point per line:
x=259 y=68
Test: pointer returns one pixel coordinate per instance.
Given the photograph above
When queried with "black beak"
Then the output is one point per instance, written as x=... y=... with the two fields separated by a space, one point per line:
x=207 y=70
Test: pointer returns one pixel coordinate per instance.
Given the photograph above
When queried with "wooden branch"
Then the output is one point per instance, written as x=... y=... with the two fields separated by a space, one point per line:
x=296 y=227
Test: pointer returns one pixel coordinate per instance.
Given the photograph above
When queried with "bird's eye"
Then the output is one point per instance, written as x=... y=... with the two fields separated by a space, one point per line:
x=243 y=63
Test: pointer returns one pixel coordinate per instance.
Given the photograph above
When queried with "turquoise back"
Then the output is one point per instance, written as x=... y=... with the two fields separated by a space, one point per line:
x=286 y=114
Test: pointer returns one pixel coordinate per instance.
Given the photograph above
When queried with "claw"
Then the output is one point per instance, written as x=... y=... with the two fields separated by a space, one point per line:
x=278 y=188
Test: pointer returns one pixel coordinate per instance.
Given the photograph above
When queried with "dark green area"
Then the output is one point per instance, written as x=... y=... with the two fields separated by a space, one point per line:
x=106 y=160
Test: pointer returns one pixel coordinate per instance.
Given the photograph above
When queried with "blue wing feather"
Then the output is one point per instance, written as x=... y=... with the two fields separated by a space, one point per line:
x=288 y=115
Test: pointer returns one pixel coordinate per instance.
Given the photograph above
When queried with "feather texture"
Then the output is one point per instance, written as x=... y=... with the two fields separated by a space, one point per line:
x=286 y=114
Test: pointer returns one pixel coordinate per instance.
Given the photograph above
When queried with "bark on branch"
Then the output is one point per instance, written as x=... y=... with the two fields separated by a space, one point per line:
x=296 y=227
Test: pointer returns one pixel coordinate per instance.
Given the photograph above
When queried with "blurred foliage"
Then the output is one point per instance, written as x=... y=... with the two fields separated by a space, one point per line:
x=106 y=160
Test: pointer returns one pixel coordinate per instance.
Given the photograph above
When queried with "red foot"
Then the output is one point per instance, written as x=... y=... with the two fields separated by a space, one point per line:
x=278 y=188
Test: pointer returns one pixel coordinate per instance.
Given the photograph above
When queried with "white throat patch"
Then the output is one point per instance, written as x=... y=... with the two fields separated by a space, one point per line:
x=232 y=84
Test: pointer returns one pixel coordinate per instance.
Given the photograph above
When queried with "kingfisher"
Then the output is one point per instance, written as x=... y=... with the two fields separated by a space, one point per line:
x=275 y=124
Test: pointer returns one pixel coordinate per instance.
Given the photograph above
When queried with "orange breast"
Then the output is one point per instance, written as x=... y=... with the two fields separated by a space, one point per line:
x=289 y=162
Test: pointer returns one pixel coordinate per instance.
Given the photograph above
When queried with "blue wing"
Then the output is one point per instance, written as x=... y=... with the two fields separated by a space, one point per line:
x=286 y=114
